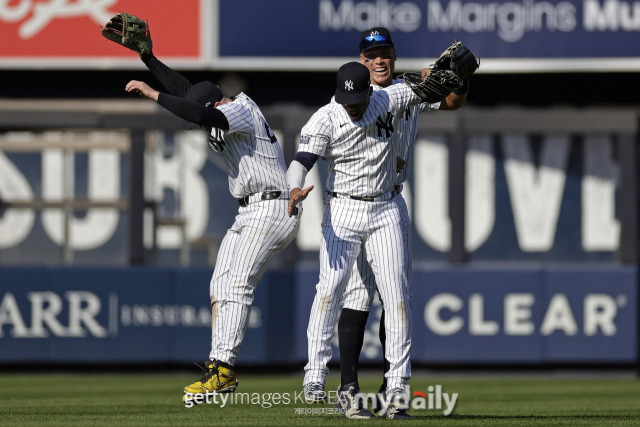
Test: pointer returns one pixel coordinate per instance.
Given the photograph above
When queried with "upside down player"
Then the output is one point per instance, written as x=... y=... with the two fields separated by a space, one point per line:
x=255 y=164
x=377 y=53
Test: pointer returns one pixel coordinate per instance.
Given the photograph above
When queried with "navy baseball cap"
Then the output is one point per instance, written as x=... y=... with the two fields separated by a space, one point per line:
x=374 y=37
x=203 y=93
x=353 y=83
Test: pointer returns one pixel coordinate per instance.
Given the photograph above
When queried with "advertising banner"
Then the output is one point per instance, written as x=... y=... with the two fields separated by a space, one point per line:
x=66 y=33
x=523 y=314
x=521 y=36
x=461 y=315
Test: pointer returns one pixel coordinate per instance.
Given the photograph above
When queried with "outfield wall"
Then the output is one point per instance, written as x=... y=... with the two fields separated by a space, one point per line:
x=525 y=238
x=487 y=314
x=113 y=184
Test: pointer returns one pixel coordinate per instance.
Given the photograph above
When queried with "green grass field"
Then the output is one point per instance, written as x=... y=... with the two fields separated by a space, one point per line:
x=155 y=400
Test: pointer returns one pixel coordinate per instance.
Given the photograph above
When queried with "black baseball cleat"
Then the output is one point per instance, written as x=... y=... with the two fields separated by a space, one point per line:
x=398 y=405
x=351 y=403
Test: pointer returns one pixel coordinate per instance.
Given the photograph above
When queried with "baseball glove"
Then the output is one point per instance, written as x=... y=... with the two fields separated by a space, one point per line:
x=435 y=87
x=129 y=31
x=459 y=59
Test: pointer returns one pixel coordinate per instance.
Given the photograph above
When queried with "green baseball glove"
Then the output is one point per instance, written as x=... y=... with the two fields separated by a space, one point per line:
x=129 y=31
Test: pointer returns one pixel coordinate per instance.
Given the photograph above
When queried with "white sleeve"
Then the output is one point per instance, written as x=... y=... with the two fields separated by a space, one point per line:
x=296 y=175
x=239 y=117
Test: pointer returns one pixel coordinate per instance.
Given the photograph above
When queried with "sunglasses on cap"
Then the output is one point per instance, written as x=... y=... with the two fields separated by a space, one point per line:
x=368 y=41
x=375 y=37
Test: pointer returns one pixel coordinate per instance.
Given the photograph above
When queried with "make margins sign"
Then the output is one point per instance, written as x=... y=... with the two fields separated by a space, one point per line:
x=513 y=36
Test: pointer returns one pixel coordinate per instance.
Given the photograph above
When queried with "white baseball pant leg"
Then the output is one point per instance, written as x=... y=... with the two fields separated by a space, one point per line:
x=342 y=235
x=359 y=295
x=388 y=246
x=260 y=231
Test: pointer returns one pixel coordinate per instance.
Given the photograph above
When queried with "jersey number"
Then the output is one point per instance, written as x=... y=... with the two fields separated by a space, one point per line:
x=270 y=133
x=216 y=140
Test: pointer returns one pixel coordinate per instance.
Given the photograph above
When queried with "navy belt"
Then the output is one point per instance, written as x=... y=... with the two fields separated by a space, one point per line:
x=382 y=197
x=255 y=197
x=361 y=198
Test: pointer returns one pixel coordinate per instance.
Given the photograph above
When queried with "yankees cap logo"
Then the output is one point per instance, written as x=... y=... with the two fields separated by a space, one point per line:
x=352 y=83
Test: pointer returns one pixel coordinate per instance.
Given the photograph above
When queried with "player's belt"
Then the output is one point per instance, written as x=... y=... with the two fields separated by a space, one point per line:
x=380 y=198
x=256 y=197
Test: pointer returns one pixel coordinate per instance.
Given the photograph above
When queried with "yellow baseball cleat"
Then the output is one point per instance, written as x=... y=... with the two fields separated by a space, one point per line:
x=216 y=379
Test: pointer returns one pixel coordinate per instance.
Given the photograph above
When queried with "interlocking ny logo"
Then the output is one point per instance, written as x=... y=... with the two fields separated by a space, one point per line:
x=348 y=85
x=386 y=125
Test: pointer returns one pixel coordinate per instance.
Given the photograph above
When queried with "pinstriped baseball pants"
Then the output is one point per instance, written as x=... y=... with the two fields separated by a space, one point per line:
x=383 y=230
x=260 y=231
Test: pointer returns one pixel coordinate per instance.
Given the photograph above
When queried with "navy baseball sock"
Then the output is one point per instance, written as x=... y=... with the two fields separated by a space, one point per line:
x=383 y=336
x=351 y=335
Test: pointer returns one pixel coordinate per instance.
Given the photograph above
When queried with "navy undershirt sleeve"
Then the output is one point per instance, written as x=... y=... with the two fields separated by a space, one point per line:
x=175 y=83
x=194 y=112
x=306 y=159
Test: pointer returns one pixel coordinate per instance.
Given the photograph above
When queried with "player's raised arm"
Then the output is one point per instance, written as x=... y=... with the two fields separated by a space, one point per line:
x=173 y=81
x=133 y=33
x=458 y=59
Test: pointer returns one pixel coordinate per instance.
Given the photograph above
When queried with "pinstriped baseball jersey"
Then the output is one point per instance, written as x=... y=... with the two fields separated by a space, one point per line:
x=350 y=151
x=253 y=158
x=407 y=129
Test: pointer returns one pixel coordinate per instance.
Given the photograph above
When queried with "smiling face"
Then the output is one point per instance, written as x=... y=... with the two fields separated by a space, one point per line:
x=381 y=62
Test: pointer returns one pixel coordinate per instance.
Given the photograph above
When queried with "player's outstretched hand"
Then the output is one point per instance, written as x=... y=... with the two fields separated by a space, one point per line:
x=142 y=89
x=297 y=195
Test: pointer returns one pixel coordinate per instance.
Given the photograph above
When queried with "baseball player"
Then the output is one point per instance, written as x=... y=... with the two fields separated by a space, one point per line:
x=255 y=164
x=362 y=212
x=378 y=54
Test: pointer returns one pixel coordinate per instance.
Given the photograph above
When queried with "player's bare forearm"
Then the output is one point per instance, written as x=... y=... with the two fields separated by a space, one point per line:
x=453 y=101
x=297 y=195
x=142 y=89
